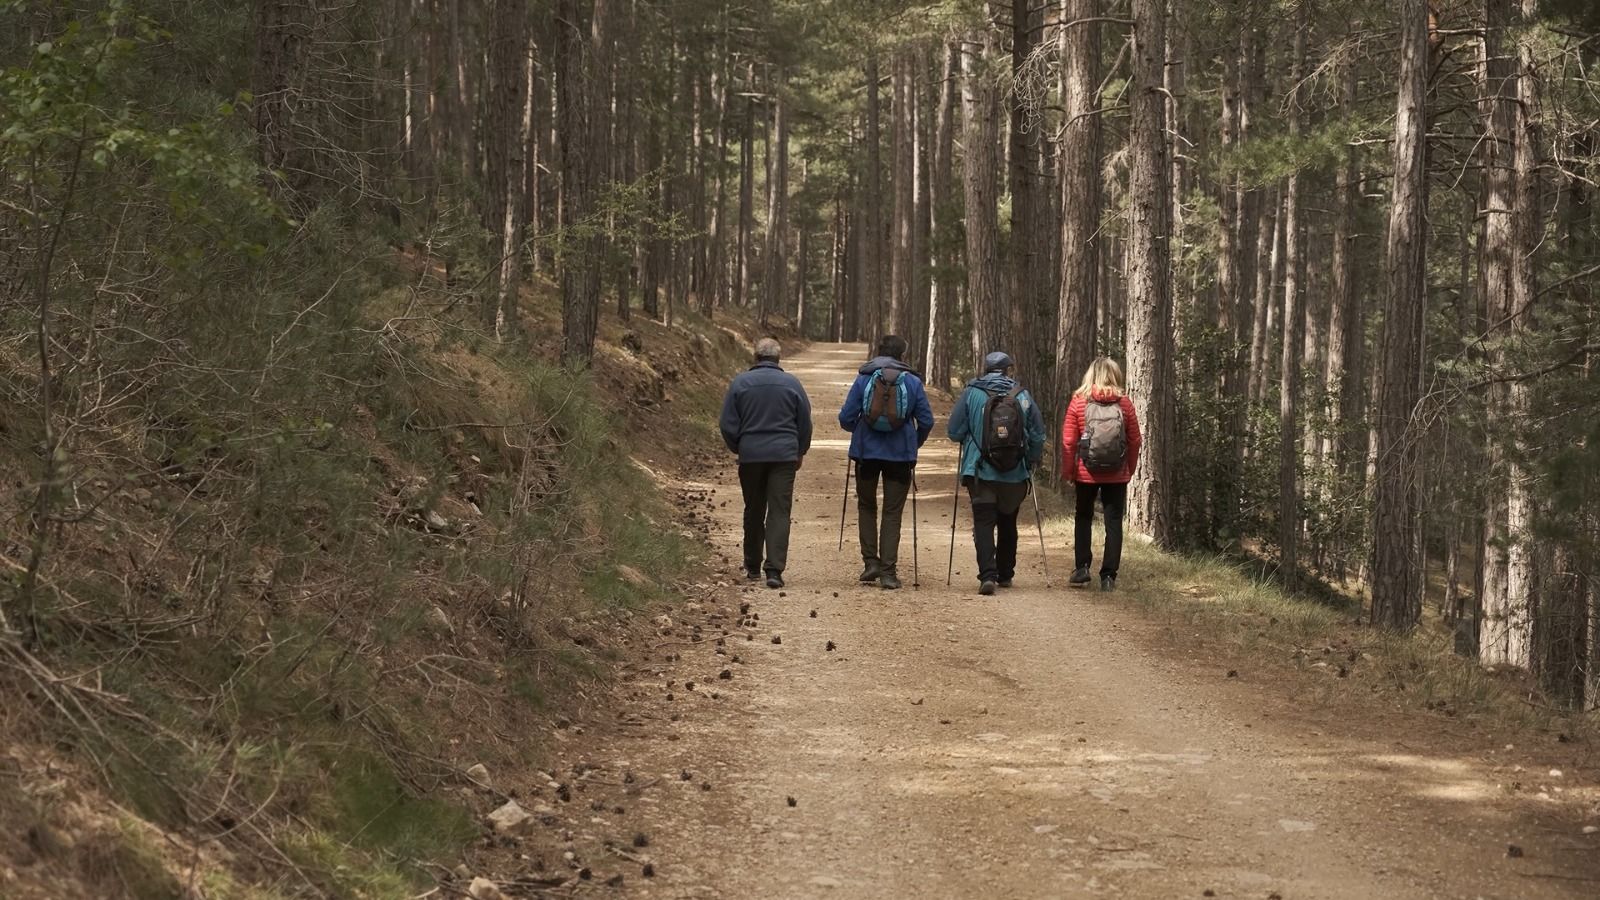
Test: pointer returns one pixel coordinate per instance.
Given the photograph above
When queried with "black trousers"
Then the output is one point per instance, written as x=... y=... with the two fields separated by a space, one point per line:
x=995 y=505
x=882 y=547
x=768 y=502
x=1114 y=502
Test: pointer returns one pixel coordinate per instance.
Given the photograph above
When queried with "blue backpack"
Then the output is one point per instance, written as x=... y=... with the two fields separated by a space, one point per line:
x=886 y=401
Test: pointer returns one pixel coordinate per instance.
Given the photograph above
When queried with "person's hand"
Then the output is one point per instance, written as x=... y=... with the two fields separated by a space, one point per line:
x=799 y=462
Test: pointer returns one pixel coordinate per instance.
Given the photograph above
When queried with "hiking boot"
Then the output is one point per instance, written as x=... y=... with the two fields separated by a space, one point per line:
x=1108 y=583
x=774 y=581
x=1080 y=575
x=986 y=589
x=1004 y=582
x=889 y=581
x=870 y=572
x=752 y=574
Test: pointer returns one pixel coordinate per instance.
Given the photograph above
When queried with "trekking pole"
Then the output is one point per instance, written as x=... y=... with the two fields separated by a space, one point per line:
x=844 y=503
x=955 y=509
x=1038 y=518
x=916 y=575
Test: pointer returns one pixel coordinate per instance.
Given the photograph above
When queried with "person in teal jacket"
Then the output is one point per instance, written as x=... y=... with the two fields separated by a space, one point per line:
x=997 y=494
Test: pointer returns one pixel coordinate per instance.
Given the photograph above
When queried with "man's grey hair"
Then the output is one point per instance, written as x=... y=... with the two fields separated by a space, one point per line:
x=768 y=350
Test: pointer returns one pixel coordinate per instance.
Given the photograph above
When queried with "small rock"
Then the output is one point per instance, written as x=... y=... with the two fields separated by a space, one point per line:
x=441 y=620
x=725 y=675
x=826 y=881
x=462 y=872
x=1555 y=773
x=484 y=889
x=437 y=522
x=511 y=819
x=633 y=577
x=1591 y=829
x=1208 y=892
x=479 y=773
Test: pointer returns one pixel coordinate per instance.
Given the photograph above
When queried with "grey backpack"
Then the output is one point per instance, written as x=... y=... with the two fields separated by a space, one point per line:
x=1104 y=444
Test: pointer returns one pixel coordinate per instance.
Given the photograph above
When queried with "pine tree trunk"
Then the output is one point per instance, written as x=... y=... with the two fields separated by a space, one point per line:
x=944 y=213
x=1022 y=297
x=580 y=50
x=1397 y=562
x=874 y=237
x=1230 y=301
x=776 y=255
x=1150 y=363
x=903 y=179
x=1346 y=324
x=747 y=177
x=1289 y=518
x=1081 y=195
x=980 y=114
x=507 y=139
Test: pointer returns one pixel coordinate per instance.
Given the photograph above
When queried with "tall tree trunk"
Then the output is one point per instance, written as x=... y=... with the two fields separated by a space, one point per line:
x=776 y=255
x=980 y=114
x=945 y=214
x=1289 y=519
x=1397 y=562
x=1081 y=194
x=874 y=237
x=1150 y=363
x=902 y=281
x=1022 y=299
x=1511 y=226
x=581 y=52
x=1346 y=325
x=747 y=177
x=1230 y=295
x=507 y=139
x=282 y=29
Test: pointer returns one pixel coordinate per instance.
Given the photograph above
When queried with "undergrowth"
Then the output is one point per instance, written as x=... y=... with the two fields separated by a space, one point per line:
x=1227 y=601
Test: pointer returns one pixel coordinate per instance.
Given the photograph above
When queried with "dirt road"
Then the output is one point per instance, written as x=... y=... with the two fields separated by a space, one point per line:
x=1033 y=744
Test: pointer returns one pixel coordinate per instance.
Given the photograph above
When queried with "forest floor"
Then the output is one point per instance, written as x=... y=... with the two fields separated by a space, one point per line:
x=1046 y=742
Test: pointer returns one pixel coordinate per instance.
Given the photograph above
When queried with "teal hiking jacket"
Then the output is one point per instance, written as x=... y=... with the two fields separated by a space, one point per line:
x=966 y=427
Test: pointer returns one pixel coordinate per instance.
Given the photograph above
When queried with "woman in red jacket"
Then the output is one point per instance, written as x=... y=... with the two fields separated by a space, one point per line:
x=1102 y=430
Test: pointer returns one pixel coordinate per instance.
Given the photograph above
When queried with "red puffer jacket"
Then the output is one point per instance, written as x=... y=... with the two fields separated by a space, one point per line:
x=1072 y=429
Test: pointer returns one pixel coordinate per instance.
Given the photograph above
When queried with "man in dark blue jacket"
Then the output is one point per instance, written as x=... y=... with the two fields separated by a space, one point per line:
x=885 y=446
x=766 y=420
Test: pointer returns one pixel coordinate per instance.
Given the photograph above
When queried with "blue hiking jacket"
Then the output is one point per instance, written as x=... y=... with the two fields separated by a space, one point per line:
x=766 y=416
x=901 y=444
x=966 y=428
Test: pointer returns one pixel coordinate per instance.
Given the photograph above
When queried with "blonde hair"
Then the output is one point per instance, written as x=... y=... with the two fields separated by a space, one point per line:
x=1104 y=375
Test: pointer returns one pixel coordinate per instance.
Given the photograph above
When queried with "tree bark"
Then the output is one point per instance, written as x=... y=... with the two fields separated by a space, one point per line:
x=1150 y=363
x=903 y=179
x=1081 y=196
x=507 y=137
x=945 y=214
x=1289 y=519
x=580 y=50
x=1346 y=325
x=776 y=255
x=980 y=113
x=747 y=177
x=873 y=237
x=1397 y=562
x=1023 y=300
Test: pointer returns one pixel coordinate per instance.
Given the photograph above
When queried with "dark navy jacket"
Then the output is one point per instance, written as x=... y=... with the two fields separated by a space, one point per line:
x=766 y=416
x=899 y=445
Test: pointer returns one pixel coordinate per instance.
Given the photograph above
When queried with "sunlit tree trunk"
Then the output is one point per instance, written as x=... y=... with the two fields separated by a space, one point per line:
x=980 y=114
x=1150 y=362
x=1397 y=571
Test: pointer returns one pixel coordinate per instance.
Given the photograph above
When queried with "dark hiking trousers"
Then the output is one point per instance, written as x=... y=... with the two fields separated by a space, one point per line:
x=1114 y=501
x=768 y=501
x=994 y=526
x=883 y=552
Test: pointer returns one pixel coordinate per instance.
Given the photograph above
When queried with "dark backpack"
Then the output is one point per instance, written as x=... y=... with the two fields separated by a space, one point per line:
x=886 y=401
x=1103 y=446
x=1004 y=443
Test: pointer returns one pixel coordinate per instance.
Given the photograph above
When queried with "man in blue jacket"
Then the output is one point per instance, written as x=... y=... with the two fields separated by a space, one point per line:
x=996 y=475
x=884 y=443
x=766 y=420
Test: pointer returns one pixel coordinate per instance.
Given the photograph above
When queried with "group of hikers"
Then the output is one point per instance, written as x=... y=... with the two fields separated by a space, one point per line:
x=766 y=421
